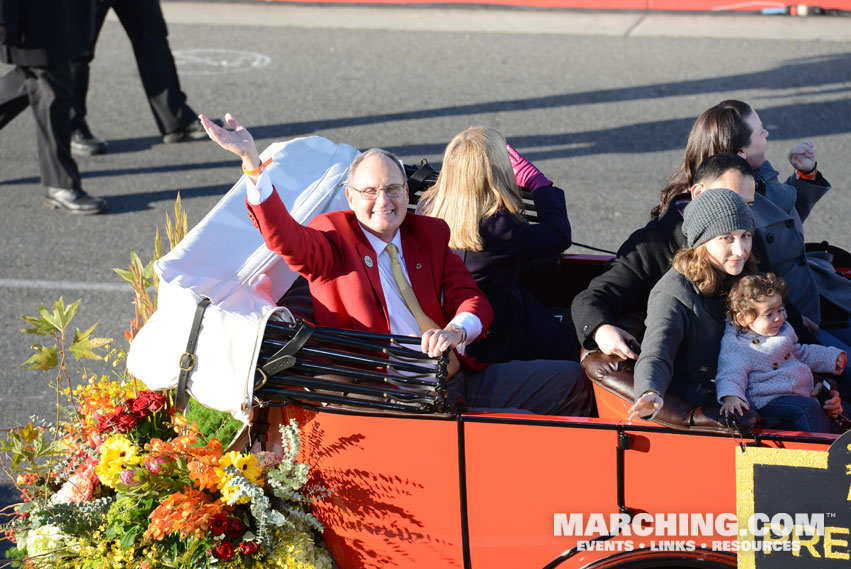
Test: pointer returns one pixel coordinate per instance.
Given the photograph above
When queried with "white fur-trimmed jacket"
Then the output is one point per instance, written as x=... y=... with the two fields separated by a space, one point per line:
x=759 y=369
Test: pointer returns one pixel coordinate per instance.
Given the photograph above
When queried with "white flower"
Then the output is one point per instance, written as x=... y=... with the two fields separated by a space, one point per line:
x=44 y=539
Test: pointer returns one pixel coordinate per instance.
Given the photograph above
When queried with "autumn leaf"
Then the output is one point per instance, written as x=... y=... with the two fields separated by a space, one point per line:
x=83 y=345
x=39 y=326
x=44 y=358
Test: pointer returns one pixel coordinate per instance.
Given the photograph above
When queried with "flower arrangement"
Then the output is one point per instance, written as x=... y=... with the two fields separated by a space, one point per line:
x=120 y=480
x=131 y=484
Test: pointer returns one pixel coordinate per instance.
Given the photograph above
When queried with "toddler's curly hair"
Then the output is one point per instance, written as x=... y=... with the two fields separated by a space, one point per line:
x=749 y=290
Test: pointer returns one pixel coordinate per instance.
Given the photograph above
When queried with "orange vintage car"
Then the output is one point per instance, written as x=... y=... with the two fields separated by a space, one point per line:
x=417 y=486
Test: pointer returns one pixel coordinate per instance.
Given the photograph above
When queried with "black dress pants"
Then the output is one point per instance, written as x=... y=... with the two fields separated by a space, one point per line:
x=145 y=26
x=48 y=91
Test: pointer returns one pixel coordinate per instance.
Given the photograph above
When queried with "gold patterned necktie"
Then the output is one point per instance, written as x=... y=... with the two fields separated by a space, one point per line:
x=407 y=291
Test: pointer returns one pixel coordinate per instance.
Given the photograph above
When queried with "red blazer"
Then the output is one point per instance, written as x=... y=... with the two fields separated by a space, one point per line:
x=339 y=263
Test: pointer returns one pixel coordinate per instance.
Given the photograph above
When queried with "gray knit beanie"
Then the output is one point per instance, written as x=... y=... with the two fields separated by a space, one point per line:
x=713 y=213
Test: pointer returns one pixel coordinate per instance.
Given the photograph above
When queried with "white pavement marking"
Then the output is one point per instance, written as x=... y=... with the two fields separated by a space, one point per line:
x=210 y=61
x=64 y=285
x=491 y=19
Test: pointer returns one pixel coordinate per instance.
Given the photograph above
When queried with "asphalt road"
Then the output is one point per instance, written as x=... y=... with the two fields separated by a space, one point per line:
x=602 y=103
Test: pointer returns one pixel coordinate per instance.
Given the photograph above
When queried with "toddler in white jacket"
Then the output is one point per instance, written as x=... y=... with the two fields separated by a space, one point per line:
x=761 y=363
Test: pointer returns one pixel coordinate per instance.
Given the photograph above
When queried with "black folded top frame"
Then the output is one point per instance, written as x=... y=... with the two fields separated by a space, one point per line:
x=302 y=362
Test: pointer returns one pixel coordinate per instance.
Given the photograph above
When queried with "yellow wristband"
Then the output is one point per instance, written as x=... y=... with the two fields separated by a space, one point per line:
x=257 y=170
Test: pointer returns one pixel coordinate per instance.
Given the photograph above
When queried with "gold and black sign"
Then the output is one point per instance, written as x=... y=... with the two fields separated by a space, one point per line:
x=794 y=507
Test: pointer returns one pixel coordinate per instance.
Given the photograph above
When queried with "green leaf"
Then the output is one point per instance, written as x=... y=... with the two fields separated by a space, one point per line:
x=26 y=507
x=158 y=244
x=135 y=261
x=65 y=314
x=45 y=448
x=130 y=536
x=83 y=346
x=148 y=272
x=125 y=274
x=44 y=358
x=40 y=327
x=61 y=315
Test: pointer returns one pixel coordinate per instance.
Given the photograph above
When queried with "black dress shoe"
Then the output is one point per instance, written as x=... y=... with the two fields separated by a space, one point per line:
x=192 y=131
x=84 y=143
x=76 y=202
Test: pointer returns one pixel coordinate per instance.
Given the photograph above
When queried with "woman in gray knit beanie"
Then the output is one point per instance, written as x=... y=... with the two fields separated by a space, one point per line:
x=685 y=311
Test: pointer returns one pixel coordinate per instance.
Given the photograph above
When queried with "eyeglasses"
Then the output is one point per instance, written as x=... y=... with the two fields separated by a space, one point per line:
x=392 y=191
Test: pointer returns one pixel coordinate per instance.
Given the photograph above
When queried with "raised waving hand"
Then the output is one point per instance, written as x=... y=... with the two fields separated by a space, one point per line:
x=237 y=141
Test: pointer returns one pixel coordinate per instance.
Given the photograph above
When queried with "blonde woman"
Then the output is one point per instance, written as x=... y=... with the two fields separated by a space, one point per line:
x=686 y=310
x=477 y=194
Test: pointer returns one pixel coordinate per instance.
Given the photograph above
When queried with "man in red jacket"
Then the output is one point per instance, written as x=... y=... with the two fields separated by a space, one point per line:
x=344 y=257
x=347 y=258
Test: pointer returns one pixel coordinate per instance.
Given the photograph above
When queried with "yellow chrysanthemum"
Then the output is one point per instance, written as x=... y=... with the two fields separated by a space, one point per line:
x=245 y=463
x=116 y=453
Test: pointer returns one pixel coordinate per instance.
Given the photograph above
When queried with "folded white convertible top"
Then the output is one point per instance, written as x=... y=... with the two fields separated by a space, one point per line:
x=224 y=258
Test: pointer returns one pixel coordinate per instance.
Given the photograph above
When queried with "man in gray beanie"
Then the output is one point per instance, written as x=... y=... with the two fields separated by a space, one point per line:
x=715 y=213
x=685 y=311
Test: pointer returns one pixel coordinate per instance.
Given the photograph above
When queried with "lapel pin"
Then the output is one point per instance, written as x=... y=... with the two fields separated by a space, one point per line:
x=368 y=261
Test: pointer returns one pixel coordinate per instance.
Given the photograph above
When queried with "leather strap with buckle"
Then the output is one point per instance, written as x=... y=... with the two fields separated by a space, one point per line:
x=187 y=359
x=285 y=357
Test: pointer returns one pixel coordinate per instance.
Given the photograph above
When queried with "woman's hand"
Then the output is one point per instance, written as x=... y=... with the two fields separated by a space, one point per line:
x=645 y=406
x=734 y=404
x=437 y=341
x=614 y=341
x=238 y=141
x=526 y=174
x=803 y=156
x=833 y=406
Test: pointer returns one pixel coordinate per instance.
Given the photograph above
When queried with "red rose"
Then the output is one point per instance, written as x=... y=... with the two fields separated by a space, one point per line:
x=249 y=547
x=104 y=423
x=138 y=407
x=156 y=401
x=219 y=524
x=125 y=423
x=235 y=528
x=224 y=550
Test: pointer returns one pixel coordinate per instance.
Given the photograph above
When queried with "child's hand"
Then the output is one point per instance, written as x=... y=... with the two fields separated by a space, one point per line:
x=733 y=403
x=803 y=156
x=833 y=406
x=841 y=360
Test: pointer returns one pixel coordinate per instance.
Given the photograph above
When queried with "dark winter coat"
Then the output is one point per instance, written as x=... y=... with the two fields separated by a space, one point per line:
x=522 y=329
x=38 y=33
x=779 y=211
x=679 y=354
x=624 y=287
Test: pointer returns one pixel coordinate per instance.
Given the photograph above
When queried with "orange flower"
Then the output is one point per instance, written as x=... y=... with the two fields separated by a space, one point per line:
x=188 y=513
x=180 y=445
x=203 y=467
